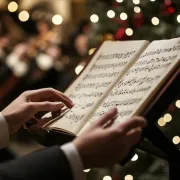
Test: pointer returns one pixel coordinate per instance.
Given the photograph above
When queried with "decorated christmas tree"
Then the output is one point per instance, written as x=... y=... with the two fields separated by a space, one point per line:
x=133 y=19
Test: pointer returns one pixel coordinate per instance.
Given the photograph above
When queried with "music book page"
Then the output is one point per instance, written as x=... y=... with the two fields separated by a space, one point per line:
x=109 y=63
x=131 y=93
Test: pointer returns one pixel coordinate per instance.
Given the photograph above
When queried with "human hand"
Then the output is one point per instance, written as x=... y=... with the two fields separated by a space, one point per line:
x=102 y=145
x=29 y=103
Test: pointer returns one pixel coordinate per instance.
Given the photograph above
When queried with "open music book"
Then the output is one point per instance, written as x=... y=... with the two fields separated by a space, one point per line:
x=120 y=74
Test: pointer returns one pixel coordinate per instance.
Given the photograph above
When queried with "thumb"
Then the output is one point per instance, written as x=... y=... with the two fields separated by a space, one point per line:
x=110 y=115
x=46 y=106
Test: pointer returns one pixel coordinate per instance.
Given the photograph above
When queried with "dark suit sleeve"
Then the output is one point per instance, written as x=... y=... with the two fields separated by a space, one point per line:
x=48 y=164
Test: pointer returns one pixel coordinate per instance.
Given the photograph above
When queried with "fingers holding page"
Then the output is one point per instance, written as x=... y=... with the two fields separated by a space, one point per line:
x=49 y=94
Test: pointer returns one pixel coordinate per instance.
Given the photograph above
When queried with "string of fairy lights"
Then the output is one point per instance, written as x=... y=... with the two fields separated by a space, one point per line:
x=24 y=16
x=168 y=118
x=127 y=177
x=124 y=16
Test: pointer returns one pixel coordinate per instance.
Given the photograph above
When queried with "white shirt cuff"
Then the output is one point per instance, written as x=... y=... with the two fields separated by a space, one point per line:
x=4 y=132
x=75 y=161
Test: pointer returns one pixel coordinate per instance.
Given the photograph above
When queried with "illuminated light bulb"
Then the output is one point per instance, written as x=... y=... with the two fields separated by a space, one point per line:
x=167 y=117
x=119 y=1
x=123 y=16
x=128 y=177
x=161 y=122
x=87 y=170
x=23 y=16
x=178 y=18
x=129 y=31
x=78 y=69
x=135 y=158
x=178 y=103
x=137 y=9
x=12 y=6
x=152 y=0
x=155 y=21
x=176 y=140
x=94 y=18
x=107 y=178
x=57 y=19
x=91 y=51
x=111 y=14
x=136 y=1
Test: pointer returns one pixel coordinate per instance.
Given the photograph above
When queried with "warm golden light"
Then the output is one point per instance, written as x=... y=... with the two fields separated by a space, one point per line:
x=87 y=170
x=178 y=103
x=78 y=69
x=135 y=158
x=167 y=118
x=137 y=9
x=57 y=19
x=123 y=16
x=161 y=122
x=23 y=16
x=155 y=21
x=136 y=1
x=178 y=18
x=12 y=6
x=91 y=51
x=176 y=140
x=94 y=18
x=119 y=1
x=111 y=14
x=107 y=178
x=128 y=177
x=129 y=31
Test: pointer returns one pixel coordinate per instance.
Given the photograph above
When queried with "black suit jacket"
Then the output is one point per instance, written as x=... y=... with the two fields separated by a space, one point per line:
x=48 y=164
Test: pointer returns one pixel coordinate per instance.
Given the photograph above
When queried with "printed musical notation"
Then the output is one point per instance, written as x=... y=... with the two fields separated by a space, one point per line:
x=126 y=102
x=156 y=60
x=74 y=118
x=100 y=113
x=101 y=75
x=104 y=68
x=126 y=91
x=132 y=89
x=137 y=81
x=159 y=51
x=116 y=55
x=92 y=85
x=91 y=88
x=86 y=95
x=108 y=66
x=148 y=68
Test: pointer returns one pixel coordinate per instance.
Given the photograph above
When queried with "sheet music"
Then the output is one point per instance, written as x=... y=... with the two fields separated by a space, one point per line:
x=141 y=80
x=109 y=62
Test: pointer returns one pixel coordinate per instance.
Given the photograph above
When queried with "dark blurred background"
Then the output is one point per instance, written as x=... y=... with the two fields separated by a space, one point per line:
x=46 y=43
